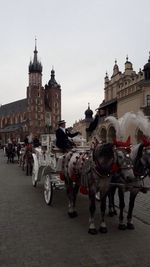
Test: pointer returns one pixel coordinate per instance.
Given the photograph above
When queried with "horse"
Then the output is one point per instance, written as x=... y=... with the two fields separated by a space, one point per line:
x=91 y=171
x=140 y=156
x=10 y=152
x=28 y=159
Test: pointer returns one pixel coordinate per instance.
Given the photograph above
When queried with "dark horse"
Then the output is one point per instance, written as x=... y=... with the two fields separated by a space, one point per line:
x=28 y=159
x=91 y=171
x=140 y=156
x=10 y=152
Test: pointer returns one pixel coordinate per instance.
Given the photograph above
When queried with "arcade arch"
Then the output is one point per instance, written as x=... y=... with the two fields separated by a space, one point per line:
x=111 y=134
x=103 y=134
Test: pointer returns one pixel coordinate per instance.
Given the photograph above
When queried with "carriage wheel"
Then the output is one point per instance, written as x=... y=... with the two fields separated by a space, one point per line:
x=48 y=189
x=34 y=182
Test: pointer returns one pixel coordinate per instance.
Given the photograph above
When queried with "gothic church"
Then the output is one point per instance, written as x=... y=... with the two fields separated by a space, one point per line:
x=38 y=113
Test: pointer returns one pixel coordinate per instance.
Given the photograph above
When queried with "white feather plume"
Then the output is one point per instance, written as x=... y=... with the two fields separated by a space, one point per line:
x=143 y=123
x=139 y=120
x=116 y=125
x=128 y=119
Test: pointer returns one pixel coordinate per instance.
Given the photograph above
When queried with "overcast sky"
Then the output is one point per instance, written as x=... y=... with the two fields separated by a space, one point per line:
x=80 y=38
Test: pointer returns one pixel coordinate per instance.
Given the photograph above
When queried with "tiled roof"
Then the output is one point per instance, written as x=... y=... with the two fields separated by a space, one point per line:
x=12 y=127
x=14 y=107
x=104 y=104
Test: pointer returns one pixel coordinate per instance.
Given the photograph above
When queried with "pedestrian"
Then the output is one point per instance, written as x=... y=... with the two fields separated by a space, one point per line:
x=26 y=141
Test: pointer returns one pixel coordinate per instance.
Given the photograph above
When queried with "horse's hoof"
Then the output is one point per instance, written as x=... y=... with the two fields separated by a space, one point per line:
x=122 y=226
x=115 y=212
x=103 y=230
x=92 y=231
x=130 y=226
x=75 y=214
x=72 y=214
x=111 y=213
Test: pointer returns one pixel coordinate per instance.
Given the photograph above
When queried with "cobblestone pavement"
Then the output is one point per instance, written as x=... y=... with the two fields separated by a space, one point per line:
x=33 y=234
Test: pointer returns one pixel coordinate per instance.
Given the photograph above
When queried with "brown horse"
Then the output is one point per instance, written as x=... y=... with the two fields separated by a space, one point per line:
x=28 y=159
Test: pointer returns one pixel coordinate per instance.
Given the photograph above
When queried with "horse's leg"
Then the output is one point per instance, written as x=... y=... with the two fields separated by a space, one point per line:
x=23 y=163
x=27 y=168
x=111 y=199
x=133 y=195
x=103 y=227
x=9 y=158
x=75 y=192
x=92 y=207
x=71 y=193
x=18 y=154
x=121 y=225
x=31 y=167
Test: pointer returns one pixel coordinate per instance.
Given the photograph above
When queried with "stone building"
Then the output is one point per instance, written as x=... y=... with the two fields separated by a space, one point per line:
x=124 y=92
x=38 y=113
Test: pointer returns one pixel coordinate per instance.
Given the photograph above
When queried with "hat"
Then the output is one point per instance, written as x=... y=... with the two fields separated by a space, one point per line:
x=61 y=122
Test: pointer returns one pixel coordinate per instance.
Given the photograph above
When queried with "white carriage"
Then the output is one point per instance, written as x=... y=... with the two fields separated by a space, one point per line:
x=46 y=165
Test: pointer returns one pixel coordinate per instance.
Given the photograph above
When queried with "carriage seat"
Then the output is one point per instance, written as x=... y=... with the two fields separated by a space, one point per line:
x=56 y=149
x=57 y=152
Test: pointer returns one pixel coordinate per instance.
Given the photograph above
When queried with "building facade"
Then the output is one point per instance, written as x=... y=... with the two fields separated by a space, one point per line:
x=38 y=113
x=124 y=92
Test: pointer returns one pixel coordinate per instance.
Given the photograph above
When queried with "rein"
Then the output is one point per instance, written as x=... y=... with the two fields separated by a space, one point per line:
x=99 y=174
x=132 y=186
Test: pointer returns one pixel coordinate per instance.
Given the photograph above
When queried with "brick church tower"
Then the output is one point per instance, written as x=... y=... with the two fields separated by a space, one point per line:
x=35 y=97
x=52 y=103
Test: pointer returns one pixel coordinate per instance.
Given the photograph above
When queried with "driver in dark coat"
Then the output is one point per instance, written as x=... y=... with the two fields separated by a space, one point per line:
x=62 y=137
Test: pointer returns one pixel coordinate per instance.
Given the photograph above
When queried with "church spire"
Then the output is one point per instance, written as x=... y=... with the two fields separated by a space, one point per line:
x=35 y=65
x=35 y=52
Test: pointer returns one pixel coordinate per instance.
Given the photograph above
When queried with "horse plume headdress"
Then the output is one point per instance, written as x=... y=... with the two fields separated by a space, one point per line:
x=121 y=124
x=125 y=144
x=139 y=120
x=144 y=125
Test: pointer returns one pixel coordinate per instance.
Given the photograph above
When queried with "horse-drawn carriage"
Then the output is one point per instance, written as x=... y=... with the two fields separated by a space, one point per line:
x=95 y=170
x=47 y=165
